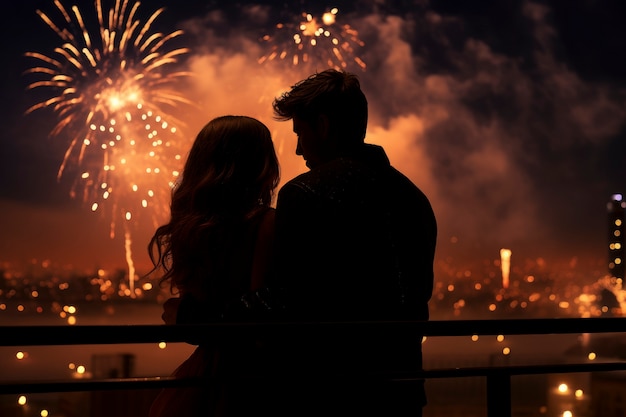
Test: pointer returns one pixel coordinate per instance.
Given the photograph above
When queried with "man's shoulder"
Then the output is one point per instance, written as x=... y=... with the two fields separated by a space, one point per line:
x=354 y=178
x=329 y=175
x=351 y=167
x=300 y=183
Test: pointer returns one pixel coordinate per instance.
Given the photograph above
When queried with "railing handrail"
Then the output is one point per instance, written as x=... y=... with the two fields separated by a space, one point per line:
x=498 y=377
x=158 y=382
x=154 y=333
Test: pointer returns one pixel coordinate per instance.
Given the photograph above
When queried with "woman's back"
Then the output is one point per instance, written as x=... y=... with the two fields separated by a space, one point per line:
x=217 y=246
x=242 y=259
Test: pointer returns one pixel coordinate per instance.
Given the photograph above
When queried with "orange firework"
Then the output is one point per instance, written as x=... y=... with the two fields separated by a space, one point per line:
x=315 y=40
x=111 y=89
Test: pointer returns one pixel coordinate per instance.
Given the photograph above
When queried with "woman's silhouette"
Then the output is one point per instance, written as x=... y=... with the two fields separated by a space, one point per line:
x=216 y=247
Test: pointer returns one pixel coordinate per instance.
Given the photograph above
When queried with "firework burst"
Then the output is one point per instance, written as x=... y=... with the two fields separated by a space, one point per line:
x=111 y=89
x=315 y=39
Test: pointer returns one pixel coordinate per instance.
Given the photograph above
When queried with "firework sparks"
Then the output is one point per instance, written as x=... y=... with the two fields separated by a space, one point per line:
x=111 y=89
x=315 y=39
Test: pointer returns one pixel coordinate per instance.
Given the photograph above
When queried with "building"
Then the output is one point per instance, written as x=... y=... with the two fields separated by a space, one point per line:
x=616 y=236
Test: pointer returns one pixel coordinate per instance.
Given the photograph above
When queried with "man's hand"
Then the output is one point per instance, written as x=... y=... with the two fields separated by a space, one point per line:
x=170 y=310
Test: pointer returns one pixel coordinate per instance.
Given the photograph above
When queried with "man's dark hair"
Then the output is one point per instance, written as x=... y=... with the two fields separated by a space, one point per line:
x=336 y=94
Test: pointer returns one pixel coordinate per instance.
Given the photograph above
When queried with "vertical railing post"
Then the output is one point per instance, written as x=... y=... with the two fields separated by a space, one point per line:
x=498 y=394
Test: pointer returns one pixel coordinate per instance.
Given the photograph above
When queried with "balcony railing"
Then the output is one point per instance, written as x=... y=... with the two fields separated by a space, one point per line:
x=498 y=378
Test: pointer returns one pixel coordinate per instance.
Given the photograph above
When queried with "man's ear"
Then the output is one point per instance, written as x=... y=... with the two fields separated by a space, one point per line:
x=323 y=126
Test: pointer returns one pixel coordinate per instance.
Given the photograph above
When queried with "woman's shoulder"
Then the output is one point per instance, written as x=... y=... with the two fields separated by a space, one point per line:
x=262 y=219
x=264 y=212
x=266 y=218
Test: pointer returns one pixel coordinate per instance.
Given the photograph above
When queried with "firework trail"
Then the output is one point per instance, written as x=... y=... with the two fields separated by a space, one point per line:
x=111 y=90
x=315 y=40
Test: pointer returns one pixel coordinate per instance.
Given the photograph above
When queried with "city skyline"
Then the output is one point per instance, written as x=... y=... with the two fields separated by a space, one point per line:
x=616 y=237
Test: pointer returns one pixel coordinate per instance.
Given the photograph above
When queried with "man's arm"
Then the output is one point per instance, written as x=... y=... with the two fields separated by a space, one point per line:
x=295 y=242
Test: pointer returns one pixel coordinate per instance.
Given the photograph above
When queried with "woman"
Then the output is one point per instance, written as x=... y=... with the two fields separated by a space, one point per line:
x=217 y=247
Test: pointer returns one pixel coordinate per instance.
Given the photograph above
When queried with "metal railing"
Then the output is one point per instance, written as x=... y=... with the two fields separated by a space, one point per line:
x=498 y=378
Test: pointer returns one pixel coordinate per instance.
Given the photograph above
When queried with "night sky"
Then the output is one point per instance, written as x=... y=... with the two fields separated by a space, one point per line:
x=510 y=115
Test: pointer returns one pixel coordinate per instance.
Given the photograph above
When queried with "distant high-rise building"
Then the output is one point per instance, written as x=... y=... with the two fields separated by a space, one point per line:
x=617 y=238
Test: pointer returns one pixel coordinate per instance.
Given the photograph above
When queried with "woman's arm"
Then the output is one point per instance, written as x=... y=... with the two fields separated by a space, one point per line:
x=263 y=257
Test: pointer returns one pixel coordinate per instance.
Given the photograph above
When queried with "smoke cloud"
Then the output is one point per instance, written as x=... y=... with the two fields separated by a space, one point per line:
x=499 y=142
x=514 y=145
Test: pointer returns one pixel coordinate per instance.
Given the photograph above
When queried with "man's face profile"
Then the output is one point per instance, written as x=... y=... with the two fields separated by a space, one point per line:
x=314 y=144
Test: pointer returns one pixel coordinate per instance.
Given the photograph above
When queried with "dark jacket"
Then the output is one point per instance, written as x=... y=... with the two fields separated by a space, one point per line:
x=356 y=241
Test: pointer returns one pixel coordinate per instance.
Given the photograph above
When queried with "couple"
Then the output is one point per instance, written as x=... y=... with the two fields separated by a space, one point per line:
x=352 y=239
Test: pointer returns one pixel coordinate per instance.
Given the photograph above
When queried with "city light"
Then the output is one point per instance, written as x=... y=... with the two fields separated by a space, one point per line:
x=505 y=259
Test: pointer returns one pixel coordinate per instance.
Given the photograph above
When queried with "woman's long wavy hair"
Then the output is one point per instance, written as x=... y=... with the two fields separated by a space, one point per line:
x=231 y=173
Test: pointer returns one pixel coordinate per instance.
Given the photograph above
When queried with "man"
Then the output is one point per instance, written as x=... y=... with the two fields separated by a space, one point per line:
x=355 y=242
